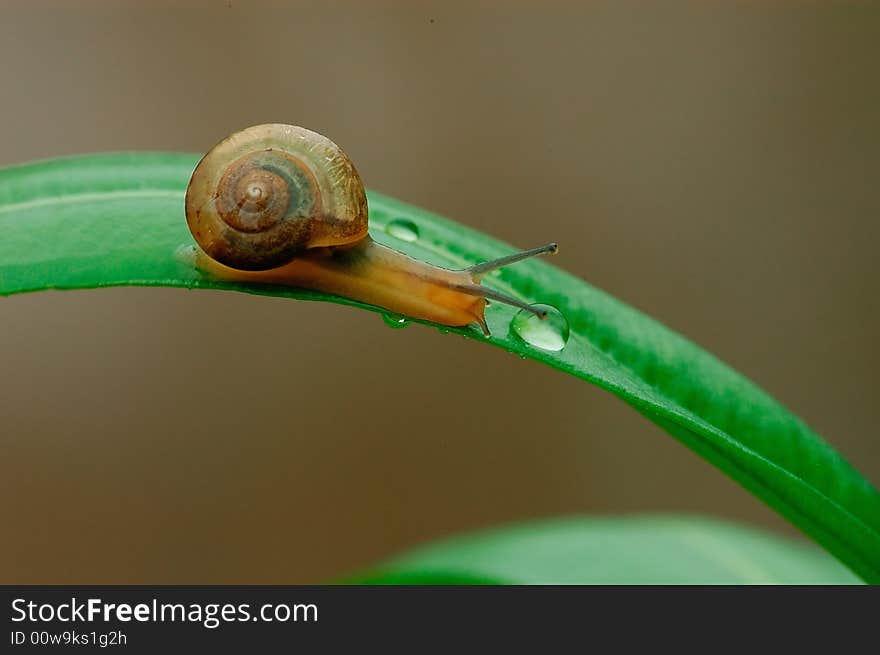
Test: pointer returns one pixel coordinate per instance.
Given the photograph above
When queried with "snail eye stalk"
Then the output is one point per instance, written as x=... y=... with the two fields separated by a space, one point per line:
x=478 y=270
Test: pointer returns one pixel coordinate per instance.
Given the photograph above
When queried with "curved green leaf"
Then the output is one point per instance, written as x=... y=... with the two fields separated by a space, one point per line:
x=117 y=219
x=631 y=550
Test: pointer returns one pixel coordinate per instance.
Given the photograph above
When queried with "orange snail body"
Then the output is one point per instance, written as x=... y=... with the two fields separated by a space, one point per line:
x=280 y=204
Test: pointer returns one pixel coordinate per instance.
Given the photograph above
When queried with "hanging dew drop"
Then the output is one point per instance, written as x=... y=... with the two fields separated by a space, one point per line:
x=402 y=229
x=550 y=333
x=395 y=321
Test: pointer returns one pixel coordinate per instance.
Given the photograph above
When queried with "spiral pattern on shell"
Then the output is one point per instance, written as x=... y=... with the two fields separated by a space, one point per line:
x=270 y=192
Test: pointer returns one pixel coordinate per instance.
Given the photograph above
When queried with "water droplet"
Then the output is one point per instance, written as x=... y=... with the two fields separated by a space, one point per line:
x=395 y=321
x=550 y=333
x=186 y=254
x=402 y=229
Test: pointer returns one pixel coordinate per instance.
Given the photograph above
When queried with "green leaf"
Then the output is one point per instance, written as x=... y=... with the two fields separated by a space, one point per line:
x=118 y=219
x=632 y=550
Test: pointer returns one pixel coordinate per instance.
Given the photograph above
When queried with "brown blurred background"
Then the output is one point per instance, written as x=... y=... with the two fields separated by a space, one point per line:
x=715 y=166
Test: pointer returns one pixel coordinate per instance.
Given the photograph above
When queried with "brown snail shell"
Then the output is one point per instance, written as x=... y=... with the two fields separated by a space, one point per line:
x=266 y=194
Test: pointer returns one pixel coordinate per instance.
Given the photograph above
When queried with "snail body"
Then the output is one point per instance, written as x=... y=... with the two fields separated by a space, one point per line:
x=279 y=204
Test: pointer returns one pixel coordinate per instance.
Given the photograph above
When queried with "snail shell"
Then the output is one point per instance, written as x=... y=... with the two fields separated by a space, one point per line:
x=264 y=195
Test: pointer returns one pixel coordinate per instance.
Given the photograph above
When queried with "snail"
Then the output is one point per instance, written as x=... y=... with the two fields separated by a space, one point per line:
x=280 y=204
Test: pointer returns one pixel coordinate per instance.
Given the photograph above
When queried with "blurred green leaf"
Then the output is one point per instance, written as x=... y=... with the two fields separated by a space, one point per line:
x=631 y=550
x=117 y=219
